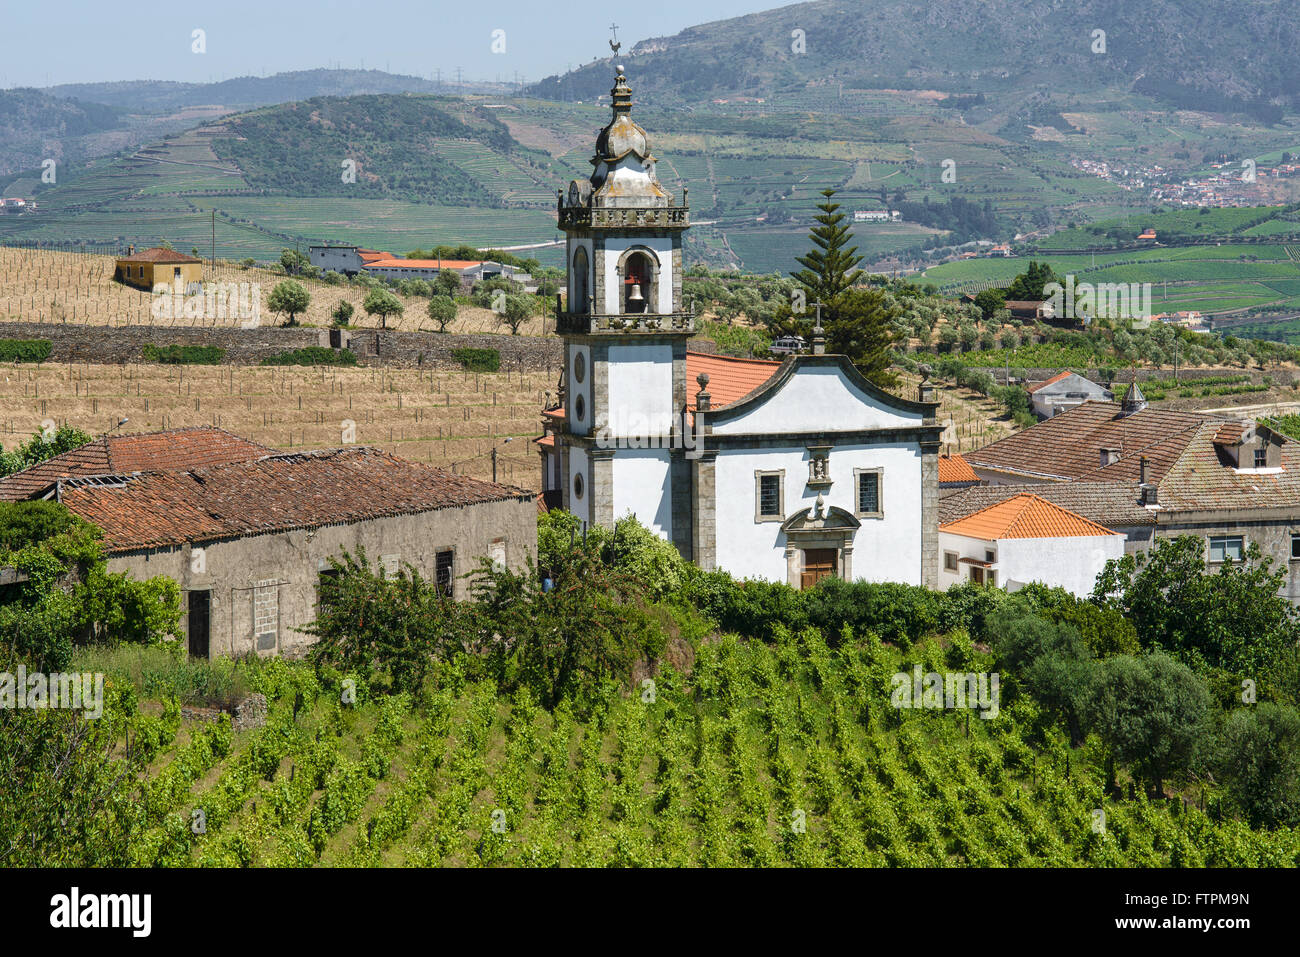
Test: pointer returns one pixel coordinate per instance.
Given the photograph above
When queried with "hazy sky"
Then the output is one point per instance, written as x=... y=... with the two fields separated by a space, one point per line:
x=80 y=41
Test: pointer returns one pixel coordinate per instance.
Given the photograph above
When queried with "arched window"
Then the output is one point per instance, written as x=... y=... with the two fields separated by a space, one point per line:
x=579 y=297
x=639 y=282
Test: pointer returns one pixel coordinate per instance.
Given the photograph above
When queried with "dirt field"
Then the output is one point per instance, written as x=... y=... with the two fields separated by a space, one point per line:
x=47 y=286
x=442 y=417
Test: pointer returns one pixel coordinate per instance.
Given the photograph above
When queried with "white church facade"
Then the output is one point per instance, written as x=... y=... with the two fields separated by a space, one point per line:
x=786 y=471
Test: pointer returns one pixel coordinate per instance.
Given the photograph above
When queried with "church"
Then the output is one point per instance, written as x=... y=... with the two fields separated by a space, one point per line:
x=785 y=471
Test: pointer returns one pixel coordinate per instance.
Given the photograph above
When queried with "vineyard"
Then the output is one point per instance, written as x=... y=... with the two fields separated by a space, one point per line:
x=782 y=754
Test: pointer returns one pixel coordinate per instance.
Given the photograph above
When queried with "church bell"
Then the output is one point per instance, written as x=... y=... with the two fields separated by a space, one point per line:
x=635 y=297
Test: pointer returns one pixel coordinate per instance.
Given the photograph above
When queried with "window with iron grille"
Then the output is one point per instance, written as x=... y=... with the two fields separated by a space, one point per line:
x=1261 y=458
x=769 y=492
x=442 y=572
x=868 y=492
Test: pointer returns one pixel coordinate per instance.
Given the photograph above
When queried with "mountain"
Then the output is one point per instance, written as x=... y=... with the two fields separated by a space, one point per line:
x=152 y=96
x=396 y=143
x=33 y=124
x=1237 y=53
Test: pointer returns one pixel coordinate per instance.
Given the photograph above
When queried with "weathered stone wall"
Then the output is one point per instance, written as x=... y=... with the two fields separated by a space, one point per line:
x=122 y=344
x=287 y=565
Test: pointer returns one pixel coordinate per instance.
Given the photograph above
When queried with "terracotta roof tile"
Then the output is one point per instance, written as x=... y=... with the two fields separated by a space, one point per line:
x=269 y=494
x=1068 y=445
x=146 y=451
x=159 y=254
x=1024 y=516
x=1205 y=478
x=954 y=468
x=730 y=378
x=395 y=263
x=1046 y=382
x=1112 y=504
x=1229 y=433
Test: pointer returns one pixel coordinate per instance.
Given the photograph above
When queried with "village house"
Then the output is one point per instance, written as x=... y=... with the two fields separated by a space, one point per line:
x=789 y=471
x=342 y=258
x=1023 y=539
x=350 y=260
x=248 y=533
x=1229 y=482
x=1065 y=390
x=157 y=265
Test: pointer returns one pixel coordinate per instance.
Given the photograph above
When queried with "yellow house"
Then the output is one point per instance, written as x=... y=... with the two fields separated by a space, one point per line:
x=158 y=265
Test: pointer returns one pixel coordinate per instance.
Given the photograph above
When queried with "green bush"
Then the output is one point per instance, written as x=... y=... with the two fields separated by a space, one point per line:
x=183 y=355
x=25 y=350
x=478 y=360
x=312 y=356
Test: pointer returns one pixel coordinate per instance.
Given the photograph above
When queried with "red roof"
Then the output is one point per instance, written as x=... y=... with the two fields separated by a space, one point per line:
x=146 y=451
x=729 y=378
x=395 y=263
x=954 y=468
x=370 y=255
x=1025 y=516
x=159 y=254
x=1046 y=382
x=273 y=493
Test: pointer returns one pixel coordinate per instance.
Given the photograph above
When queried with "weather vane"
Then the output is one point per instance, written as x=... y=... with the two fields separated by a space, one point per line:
x=614 y=44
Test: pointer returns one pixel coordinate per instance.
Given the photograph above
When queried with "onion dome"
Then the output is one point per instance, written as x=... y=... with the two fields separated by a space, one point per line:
x=621 y=136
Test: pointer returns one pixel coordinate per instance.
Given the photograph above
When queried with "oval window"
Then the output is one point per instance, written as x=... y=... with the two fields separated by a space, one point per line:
x=579 y=367
x=580 y=408
x=577 y=485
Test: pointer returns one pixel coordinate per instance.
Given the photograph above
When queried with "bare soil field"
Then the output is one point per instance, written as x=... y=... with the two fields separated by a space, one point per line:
x=444 y=416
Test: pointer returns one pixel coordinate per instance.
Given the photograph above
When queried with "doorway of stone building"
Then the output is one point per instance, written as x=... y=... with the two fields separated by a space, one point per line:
x=818 y=563
x=200 y=616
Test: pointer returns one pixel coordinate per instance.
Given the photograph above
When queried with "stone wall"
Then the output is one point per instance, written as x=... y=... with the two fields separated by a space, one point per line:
x=373 y=347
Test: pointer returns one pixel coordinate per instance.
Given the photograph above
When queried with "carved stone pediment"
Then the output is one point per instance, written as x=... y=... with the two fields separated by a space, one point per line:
x=814 y=522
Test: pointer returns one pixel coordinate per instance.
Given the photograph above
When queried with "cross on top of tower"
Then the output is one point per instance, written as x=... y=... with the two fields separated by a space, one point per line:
x=614 y=44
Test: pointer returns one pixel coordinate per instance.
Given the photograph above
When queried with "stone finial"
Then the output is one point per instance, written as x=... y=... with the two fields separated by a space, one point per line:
x=818 y=336
x=819 y=509
x=702 y=397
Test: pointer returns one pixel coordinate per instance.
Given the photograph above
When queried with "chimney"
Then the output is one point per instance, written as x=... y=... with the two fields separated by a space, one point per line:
x=1109 y=455
x=1150 y=495
x=1142 y=470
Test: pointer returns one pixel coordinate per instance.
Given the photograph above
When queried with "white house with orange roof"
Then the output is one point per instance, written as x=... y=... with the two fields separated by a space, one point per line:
x=1065 y=390
x=785 y=471
x=1027 y=539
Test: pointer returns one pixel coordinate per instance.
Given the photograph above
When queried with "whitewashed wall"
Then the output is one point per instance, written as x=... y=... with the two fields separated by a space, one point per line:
x=640 y=390
x=884 y=549
x=642 y=487
x=814 y=399
x=1069 y=563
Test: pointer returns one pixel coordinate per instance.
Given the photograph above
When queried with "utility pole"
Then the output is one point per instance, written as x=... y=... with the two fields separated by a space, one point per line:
x=214 y=238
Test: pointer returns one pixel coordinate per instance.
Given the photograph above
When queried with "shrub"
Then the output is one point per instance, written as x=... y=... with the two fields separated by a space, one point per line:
x=899 y=613
x=478 y=360
x=312 y=356
x=25 y=350
x=183 y=355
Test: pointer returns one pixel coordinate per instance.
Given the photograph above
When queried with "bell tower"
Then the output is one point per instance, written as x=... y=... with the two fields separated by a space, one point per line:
x=624 y=332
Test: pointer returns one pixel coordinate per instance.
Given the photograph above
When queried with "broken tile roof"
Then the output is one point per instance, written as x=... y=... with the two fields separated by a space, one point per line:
x=273 y=493
x=146 y=451
x=1024 y=515
x=954 y=468
x=1111 y=504
x=1068 y=445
